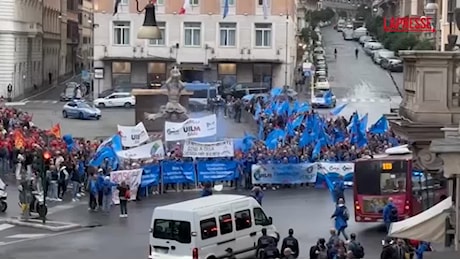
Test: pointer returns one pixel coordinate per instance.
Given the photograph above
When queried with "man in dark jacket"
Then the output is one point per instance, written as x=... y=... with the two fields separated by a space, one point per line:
x=388 y=250
x=291 y=242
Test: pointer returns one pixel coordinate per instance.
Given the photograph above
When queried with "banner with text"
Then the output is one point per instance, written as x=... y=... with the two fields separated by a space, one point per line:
x=178 y=172
x=333 y=171
x=209 y=171
x=150 y=175
x=209 y=150
x=147 y=151
x=191 y=128
x=286 y=173
x=132 y=136
x=132 y=179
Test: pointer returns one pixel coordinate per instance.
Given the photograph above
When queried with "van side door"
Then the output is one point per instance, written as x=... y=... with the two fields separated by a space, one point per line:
x=245 y=234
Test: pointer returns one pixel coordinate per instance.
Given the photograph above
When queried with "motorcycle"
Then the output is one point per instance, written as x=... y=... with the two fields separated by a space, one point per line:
x=37 y=205
x=3 y=196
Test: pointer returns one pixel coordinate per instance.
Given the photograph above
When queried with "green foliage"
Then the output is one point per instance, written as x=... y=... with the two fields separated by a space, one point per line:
x=424 y=45
x=317 y=16
x=308 y=34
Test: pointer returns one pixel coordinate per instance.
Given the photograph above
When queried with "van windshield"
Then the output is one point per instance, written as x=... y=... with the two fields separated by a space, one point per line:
x=172 y=230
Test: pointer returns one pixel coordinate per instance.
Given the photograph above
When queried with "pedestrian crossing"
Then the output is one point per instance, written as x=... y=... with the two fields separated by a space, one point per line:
x=11 y=234
x=364 y=100
x=42 y=101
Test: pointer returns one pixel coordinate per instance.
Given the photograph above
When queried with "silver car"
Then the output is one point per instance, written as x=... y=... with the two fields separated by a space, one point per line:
x=81 y=110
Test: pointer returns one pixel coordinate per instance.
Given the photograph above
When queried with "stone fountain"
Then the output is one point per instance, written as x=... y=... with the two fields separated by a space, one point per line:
x=169 y=103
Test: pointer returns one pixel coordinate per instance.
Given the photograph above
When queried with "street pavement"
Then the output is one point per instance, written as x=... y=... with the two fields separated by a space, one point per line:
x=364 y=86
x=306 y=210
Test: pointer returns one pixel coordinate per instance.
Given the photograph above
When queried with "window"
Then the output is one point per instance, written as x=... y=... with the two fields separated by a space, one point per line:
x=243 y=219
x=121 y=32
x=179 y=231
x=392 y=183
x=124 y=2
x=225 y=223
x=227 y=34
x=192 y=33
x=194 y=2
x=121 y=73
x=160 y=42
x=156 y=73
x=261 y=2
x=263 y=35
x=160 y=2
x=260 y=218
x=262 y=73
x=208 y=228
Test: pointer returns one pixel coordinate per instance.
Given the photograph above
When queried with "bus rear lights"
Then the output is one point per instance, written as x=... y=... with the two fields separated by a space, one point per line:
x=358 y=218
x=407 y=205
x=195 y=253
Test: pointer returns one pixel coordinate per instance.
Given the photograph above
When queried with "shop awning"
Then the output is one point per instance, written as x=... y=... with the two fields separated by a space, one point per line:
x=427 y=226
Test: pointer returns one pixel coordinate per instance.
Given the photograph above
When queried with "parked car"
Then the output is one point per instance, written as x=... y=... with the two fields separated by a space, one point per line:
x=80 y=110
x=319 y=101
x=393 y=64
x=69 y=91
x=366 y=38
x=377 y=56
x=370 y=48
x=117 y=99
x=322 y=83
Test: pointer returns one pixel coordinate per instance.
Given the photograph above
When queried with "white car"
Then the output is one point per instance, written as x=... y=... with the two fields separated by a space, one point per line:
x=117 y=99
x=319 y=100
x=322 y=83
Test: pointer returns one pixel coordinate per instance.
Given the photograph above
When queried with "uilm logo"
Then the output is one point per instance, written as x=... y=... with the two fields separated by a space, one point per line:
x=408 y=24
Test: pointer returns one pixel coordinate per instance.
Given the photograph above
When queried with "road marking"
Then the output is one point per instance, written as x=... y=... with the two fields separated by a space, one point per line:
x=27 y=236
x=16 y=103
x=63 y=207
x=5 y=226
x=35 y=238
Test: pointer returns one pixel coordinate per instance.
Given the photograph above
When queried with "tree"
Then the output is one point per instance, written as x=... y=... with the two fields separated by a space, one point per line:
x=424 y=45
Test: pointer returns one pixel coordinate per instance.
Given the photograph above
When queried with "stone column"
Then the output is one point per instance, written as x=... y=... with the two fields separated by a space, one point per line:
x=448 y=149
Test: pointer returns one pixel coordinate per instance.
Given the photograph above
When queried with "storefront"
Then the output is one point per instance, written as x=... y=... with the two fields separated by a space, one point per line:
x=226 y=73
x=262 y=72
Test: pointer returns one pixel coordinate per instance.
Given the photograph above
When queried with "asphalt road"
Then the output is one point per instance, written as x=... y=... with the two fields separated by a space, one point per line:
x=305 y=210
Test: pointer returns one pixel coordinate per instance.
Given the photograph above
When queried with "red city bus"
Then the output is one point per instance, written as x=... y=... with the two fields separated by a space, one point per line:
x=377 y=179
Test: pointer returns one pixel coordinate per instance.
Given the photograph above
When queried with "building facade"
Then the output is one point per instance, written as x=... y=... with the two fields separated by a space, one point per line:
x=53 y=46
x=86 y=22
x=73 y=51
x=20 y=45
x=245 y=46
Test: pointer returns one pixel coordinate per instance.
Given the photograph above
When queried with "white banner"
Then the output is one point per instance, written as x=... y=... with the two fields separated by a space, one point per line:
x=147 y=151
x=132 y=179
x=209 y=150
x=132 y=136
x=191 y=128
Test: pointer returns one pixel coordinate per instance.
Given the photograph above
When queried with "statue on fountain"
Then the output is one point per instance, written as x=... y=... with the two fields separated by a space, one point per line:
x=173 y=109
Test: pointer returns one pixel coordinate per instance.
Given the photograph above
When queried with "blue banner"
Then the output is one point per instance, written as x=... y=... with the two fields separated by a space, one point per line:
x=286 y=173
x=209 y=171
x=178 y=172
x=151 y=175
x=333 y=171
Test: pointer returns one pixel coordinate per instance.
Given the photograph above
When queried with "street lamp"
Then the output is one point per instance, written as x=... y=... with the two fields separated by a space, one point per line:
x=149 y=29
x=431 y=9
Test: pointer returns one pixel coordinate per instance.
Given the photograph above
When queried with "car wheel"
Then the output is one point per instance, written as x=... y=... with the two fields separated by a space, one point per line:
x=81 y=116
x=102 y=105
x=98 y=117
x=64 y=114
x=127 y=105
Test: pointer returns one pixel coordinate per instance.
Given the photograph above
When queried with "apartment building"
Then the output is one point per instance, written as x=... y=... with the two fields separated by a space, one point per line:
x=86 y=35
x=20 y=45
x=251 y=44
x=74 y=60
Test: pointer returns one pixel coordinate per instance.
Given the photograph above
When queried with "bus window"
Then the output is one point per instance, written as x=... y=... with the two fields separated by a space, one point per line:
x=392 y=183
x=225 y=222
x=243 y=219
x=203 y=93
x=208 y=228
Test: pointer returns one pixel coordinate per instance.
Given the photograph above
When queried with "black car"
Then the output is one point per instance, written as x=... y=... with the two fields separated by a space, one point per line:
x=239 y=90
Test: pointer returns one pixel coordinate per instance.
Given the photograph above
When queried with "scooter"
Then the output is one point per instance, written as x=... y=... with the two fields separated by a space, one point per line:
x=3 y=196
x=37 y=205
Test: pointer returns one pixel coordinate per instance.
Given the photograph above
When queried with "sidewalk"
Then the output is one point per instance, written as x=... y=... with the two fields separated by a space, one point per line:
x=47 y=87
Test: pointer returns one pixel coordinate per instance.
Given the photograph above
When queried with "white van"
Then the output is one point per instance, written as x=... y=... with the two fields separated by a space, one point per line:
x=205 y=227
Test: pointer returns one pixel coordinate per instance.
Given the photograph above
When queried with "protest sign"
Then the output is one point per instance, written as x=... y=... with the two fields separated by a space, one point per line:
x=150 y=175
x=209 y=150
x=191 y=128
x=333 y=171
x=178 y=172
x=132 y=179
x=209 y=171
x=132 y=136
x=151 y=150
x=286 y=173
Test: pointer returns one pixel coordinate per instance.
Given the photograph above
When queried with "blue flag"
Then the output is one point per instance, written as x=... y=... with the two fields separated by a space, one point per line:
x=276 y=92
x=363 y=123
x=304 y=107
x=338 y=109
x=260 y=133
x=225 y=13
x=328 y=98
x=380 y=127
x=273 y=137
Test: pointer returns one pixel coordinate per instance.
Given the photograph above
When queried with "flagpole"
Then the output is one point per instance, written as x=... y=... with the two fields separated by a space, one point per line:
x=286 y=47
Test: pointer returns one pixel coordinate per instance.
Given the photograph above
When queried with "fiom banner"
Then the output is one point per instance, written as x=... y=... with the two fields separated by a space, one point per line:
x=333 y=171
x=147 y=151
x=286 y=173
x=132 y=179
x=209 y=171
x=151 y=175
x=178 y=172
x=132 y=136
x=209 y=150
x=191 y=128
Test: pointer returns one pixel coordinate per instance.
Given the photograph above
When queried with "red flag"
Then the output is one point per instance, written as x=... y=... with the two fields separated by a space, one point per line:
x=184 y=7
x=56 y=130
